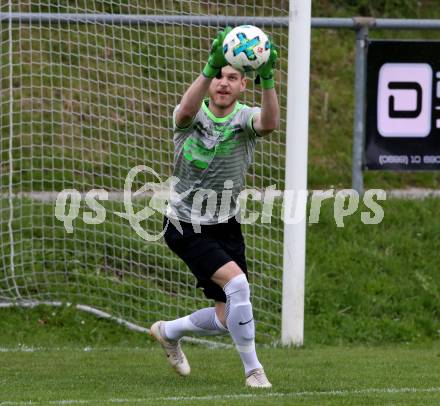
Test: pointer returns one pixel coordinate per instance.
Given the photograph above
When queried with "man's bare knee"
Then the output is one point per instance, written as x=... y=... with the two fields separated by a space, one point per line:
x=225 y=273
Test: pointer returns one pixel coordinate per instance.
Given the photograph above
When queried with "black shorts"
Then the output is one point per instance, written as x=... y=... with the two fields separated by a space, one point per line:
x=207 y=251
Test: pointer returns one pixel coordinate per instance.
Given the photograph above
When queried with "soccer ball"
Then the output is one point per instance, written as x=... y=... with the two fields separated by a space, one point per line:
x=246 y=48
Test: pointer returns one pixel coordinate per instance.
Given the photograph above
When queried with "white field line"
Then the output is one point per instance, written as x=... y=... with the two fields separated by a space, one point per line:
x=331 y=393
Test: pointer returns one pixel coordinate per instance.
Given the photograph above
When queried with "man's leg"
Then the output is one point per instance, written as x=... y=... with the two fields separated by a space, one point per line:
x=204 y=322
x=240 y=320
x=203 y=256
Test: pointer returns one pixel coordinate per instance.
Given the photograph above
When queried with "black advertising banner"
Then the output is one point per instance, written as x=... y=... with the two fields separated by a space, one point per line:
x=403 y=105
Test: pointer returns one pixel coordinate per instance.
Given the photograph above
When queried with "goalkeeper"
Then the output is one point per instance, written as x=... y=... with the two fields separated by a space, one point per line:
x=214 y=140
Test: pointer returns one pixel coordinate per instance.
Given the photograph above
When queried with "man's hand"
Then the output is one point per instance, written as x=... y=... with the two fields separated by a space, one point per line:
x=216 y=59
x=265 y=71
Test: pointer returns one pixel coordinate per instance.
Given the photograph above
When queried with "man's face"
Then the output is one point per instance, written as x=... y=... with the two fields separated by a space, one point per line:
x=226 y=90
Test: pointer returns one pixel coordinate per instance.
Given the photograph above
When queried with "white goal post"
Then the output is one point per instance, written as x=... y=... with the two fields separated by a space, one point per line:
x=88 y=89
x=297 y=135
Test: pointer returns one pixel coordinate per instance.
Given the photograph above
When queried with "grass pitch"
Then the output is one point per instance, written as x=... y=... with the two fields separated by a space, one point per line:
x=137 y=376
x=62 y=357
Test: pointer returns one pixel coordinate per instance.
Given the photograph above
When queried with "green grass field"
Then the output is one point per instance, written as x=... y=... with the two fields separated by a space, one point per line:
x=371 y=328
x=55 y=357
x=137 y=376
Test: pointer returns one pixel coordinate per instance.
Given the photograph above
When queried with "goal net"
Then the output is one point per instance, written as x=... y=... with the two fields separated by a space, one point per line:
x=88 y=89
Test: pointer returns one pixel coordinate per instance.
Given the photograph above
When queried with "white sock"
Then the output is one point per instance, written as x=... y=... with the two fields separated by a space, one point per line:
x=240 y=321
x=203 y=322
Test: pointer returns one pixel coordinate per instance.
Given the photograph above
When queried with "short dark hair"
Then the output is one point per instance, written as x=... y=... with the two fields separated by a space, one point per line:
x=219 y=74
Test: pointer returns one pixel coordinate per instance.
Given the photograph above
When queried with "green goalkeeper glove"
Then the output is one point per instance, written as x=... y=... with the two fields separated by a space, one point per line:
x=265 y=71
x=216 y=59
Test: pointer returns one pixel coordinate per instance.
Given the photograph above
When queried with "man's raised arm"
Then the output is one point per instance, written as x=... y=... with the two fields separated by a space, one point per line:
x=192 y=99
x=269 y=118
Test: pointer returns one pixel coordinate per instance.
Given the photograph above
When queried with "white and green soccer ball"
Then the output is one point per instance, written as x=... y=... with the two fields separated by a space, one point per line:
x=246 y=48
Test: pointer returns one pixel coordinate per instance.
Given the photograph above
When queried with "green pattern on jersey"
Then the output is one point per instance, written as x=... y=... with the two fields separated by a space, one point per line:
x=200 y=156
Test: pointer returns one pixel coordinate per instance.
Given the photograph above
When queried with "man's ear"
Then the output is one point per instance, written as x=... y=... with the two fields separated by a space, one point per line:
x=243 y=83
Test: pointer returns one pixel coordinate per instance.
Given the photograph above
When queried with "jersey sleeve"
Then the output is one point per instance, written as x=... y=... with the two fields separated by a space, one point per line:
x=247 y=121
x=181 y=133
x=182 y=129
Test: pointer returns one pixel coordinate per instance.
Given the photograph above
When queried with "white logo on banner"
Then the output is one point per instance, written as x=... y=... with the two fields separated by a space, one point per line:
x=404 y=105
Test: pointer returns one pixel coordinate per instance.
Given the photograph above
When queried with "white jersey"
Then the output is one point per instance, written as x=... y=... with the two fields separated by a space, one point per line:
x=211 y=158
